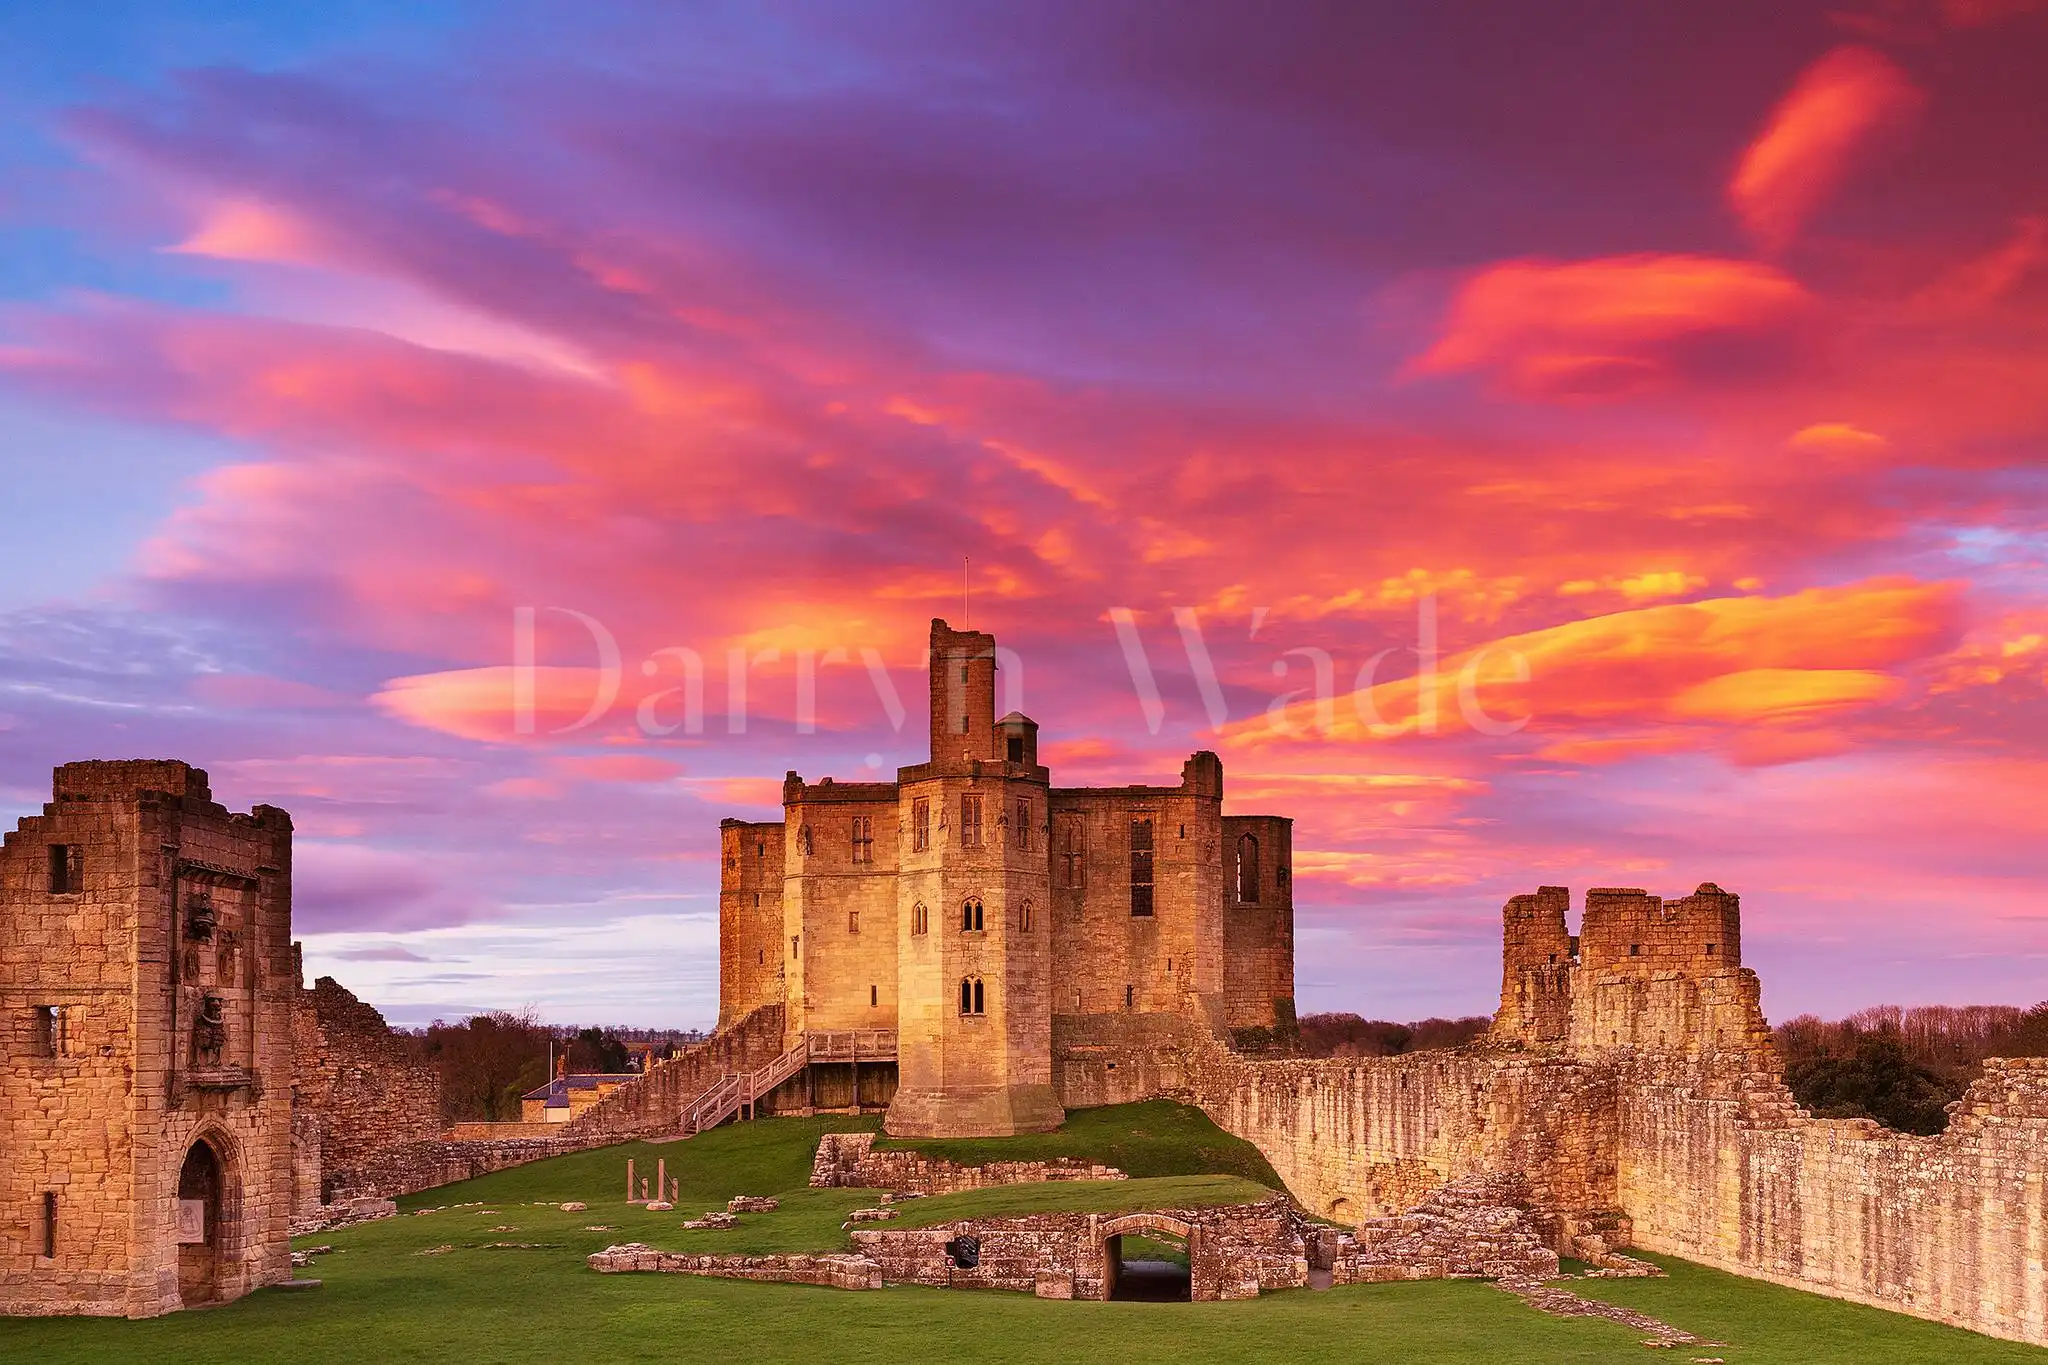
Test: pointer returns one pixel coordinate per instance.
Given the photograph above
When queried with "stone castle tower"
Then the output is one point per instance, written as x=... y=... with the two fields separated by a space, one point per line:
x=975 y=1056
x=966 y=907
x=146 y=984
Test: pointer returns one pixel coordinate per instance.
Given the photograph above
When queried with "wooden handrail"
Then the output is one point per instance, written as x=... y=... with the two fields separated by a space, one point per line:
x=737 y=1089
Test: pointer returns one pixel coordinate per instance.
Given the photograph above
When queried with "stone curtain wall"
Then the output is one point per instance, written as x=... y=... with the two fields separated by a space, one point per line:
x=1367 y=1137
x=1719 y=1165
x=1630 y=1078
x=849 y=1161
x=649 y=1106
x=653 y=1105
x=356 y=1080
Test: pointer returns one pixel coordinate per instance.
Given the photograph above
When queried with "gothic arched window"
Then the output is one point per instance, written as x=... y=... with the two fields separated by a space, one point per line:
x=971 y=998
x=970 y=915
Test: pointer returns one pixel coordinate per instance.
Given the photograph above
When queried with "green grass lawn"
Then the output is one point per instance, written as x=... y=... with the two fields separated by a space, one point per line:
x=1156 y=1137
x=392 y=1294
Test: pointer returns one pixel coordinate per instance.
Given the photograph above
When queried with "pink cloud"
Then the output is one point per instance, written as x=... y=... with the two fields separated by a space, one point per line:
x=616 y=767
x=1609 y=327
x=1839 y=107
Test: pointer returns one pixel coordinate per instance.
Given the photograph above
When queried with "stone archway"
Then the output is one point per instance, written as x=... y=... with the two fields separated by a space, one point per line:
x=1157 y=1284
x=208 y=1203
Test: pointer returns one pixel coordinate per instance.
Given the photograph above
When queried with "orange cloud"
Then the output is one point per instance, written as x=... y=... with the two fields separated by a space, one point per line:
x=1723 y=666
x=1778 y=694
x=1829 y=119
x=1837 y=438
x=480 y=703
x=1604 y=327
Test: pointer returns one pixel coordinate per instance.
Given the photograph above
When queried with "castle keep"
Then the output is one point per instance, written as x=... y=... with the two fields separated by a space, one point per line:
x=948 y=917
x=146 y=983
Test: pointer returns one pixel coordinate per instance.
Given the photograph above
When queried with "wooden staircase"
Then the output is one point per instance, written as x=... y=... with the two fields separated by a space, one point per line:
x=736 y=1092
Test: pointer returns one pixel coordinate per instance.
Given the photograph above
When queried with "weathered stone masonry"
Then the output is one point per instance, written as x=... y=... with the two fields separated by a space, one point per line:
x=146 y=986
x=356 y=1091
x=1630 y=1078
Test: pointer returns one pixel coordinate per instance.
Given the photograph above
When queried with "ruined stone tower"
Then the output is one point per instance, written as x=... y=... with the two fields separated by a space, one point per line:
x=146 y=984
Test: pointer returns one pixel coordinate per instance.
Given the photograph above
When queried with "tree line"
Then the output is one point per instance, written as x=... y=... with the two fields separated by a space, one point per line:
x=488 y=1061
x=1349 y=1035
x=1902 y=1067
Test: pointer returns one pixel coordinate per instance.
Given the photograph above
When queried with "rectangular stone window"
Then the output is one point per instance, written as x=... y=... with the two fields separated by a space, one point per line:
x=1021 y=837
x=920 y=825
x=792 y=945
x=65 y=873
x=1141 y=866
x=853 y=921
x=49 y=1225
x=970 y=821
x=1016 y=748
x=47 y=1036
x=1635 y=950
x=864 y=838
x=1072 y=848
x=874 y=996
x=1710 y=950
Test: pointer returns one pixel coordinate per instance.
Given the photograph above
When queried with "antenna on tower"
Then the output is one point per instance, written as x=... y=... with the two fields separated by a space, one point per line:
x=966 y=611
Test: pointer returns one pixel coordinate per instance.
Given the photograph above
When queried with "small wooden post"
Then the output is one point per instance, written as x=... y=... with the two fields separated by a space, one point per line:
x=661 y=1178
x=629 y=1181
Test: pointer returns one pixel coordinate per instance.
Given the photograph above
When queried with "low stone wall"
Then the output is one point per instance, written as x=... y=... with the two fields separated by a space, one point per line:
x=327 y=1217
x=849 y=1161
x=830 y=1271
x=426 y=1165
x=1235 y=1251
x=500 y=1132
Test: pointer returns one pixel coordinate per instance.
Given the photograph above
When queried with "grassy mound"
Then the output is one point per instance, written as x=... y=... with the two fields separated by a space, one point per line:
x=1155 y=1138
x=1082 y=1196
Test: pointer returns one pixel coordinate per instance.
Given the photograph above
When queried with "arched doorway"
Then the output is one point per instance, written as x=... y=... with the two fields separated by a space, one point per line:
x=1147 y=1258
x=202 y=1232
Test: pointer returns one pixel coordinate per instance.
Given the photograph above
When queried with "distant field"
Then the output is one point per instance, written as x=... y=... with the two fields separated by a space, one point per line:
x=392 y=1294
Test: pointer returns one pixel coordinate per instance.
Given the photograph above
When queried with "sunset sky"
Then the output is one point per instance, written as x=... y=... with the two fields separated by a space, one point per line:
x=1687 y=364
